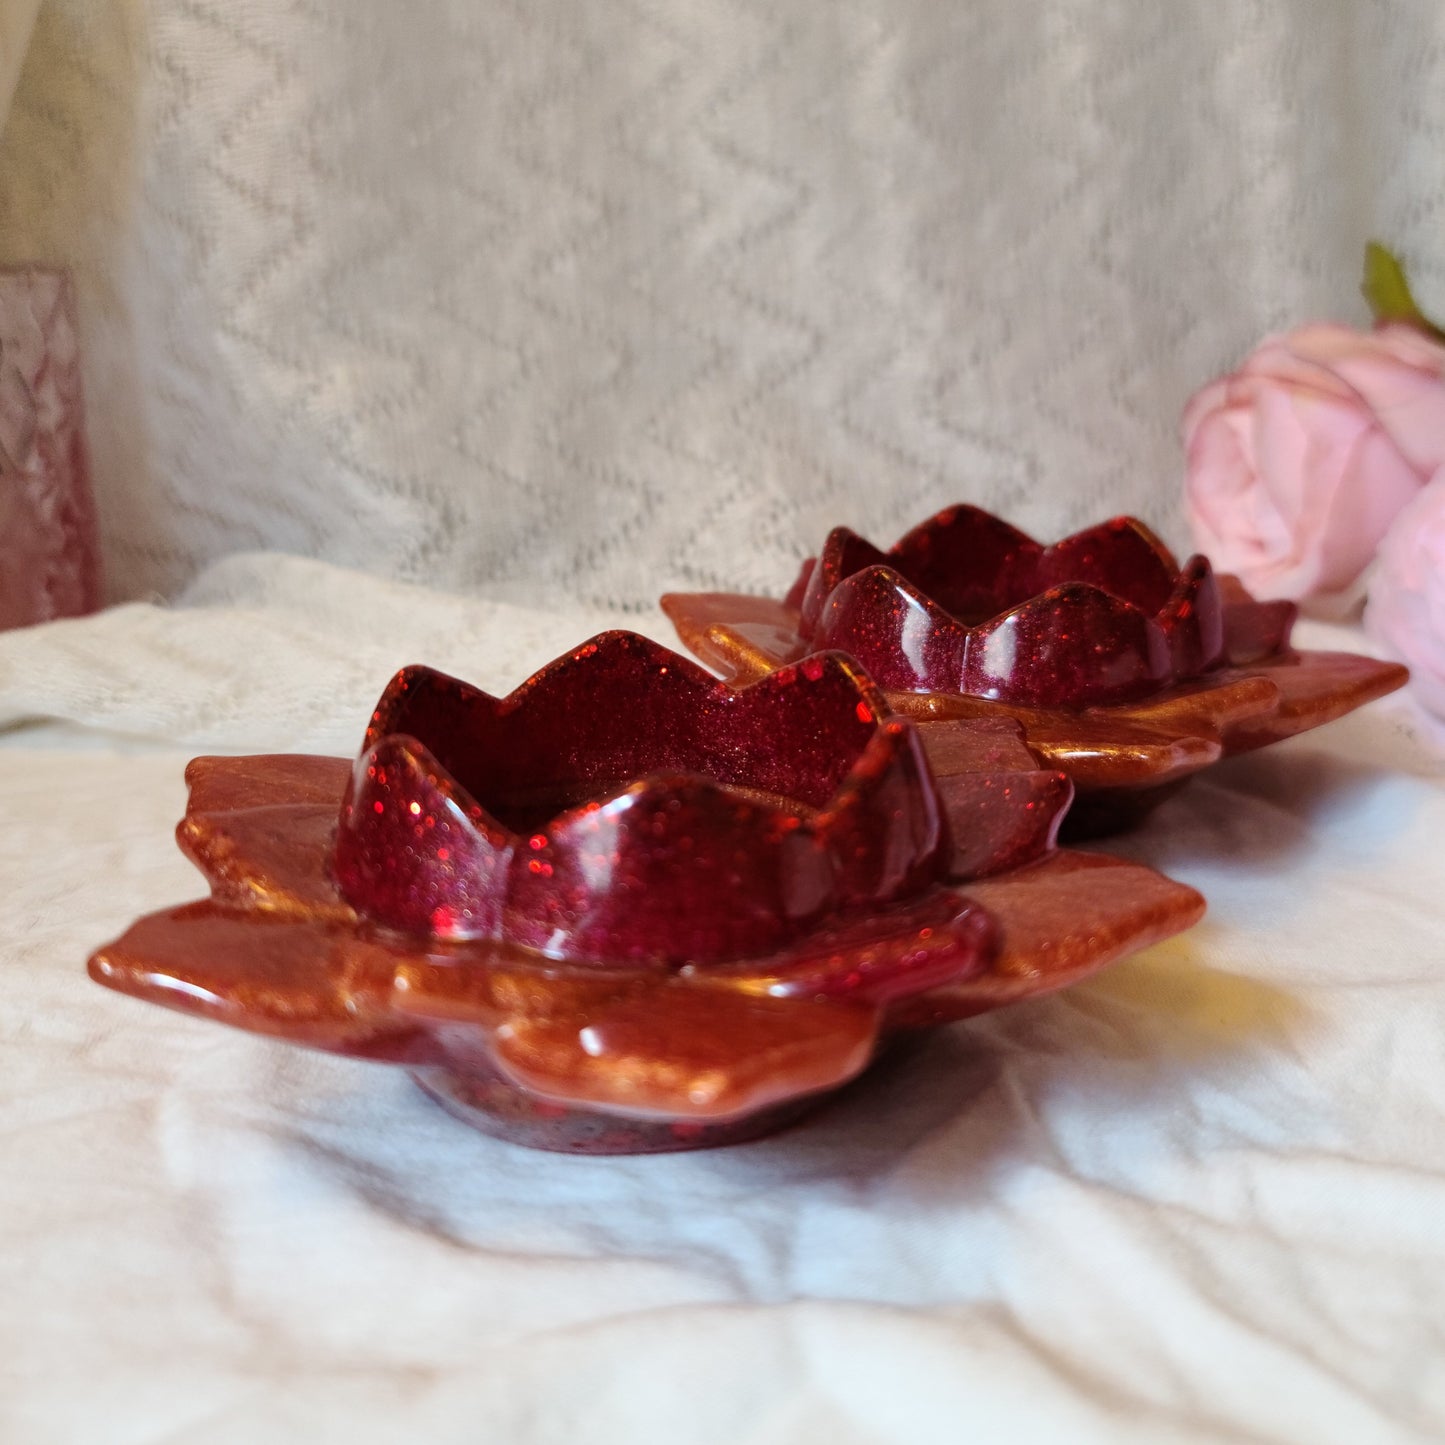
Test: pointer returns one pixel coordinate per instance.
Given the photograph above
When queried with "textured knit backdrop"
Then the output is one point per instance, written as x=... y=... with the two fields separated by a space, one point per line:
x=514 y=295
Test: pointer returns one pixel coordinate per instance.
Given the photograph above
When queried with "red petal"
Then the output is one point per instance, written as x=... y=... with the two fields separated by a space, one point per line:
x=885 y=832
x=414 y=853
x=1253 y=630
x=1004 y=810
x=263 y=780
x=843 y=554
x=673 y=870
x=709 y=846
x=1314 y=688
x=1120 y=556
x=1074 y=646
x=903 y=638
x=1193 y=621
x=969 y=562
x=879 y=958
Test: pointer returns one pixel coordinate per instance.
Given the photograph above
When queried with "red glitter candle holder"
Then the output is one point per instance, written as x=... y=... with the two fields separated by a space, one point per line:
x=1126 y=670
x=628 y=907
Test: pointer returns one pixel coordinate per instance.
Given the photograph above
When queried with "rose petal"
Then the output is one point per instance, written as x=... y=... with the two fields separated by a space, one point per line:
x=1397 y=372
x=1301 y=458
x=1406 y=610
x=1221 y=474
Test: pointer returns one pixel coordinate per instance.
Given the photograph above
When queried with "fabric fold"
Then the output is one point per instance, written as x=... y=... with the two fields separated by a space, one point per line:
x=271 y=652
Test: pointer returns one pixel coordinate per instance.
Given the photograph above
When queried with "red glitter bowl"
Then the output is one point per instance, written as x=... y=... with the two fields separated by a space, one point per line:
x=1126 y=670
x=629 y=907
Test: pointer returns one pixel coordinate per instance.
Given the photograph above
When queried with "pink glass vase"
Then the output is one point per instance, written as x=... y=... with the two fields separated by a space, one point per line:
x=49 y=559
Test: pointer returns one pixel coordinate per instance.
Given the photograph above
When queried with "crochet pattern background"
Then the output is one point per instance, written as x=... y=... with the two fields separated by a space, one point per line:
x=613 y=298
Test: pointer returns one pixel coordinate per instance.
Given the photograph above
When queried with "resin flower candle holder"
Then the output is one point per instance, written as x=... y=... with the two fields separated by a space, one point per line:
x=1125 y=670
x=629 y=907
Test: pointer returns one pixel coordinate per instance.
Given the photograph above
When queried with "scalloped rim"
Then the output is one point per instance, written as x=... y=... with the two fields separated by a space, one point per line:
x=1179 y=640
x=890 y=772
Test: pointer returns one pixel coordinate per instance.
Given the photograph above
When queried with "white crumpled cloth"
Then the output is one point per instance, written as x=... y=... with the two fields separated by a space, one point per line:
x=1199 y=1198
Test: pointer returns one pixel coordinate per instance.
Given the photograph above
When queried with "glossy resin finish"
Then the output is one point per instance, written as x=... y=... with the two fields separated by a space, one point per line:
x=629 y=907
x=965 y=603
x=1126 y=671
x=624 y=806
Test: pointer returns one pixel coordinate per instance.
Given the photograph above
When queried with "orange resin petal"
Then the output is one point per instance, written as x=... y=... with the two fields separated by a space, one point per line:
x=260 y=829
x=264 y=780
x=1314 y=688
x=303 y=981
x=688 y=1053
x=1060 y=920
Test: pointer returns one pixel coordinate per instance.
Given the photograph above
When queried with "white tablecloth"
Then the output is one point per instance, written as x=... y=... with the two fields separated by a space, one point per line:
x=1200 y=1198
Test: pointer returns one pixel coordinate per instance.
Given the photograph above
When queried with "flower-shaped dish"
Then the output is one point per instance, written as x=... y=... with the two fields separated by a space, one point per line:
x=1126 y=671
x=629 y=907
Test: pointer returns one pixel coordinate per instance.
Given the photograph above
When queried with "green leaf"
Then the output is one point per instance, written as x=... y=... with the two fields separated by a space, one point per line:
x=1388 y=293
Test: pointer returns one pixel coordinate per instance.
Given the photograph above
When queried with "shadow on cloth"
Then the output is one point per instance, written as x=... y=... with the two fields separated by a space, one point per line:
x=1285 y=808
x=1084 y=1084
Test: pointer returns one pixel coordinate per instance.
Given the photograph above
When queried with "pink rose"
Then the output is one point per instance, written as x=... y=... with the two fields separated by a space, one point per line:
x=1406 y=611
x=1300 y=460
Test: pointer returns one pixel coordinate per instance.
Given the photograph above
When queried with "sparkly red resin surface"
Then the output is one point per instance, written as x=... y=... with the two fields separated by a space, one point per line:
x=628 y=907
x=680 y=822
x=1126 y=670
x=965 y=603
